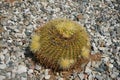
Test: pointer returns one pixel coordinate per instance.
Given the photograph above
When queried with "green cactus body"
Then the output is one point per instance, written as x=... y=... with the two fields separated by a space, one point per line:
x=60 y=43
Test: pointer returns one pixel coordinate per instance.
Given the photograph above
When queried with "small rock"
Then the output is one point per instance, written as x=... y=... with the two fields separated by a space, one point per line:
x=81 y=76
x=22 y=78
x=88 y=70
x=2 y=77
x=23 y=75
x=37 y=67
x=94 y=47
x=90 y=77
x=30 y=71
x=47 y=77
x=103 y=66
x=2 y=57
x=46 y=72
x=110 y=65
x=28 y=33
x=2 y=66
x=8 y=75
x=21 y=69
x=99 y=77
x=51 y=1
x=106 y=59
x=41 y=77
x=79 y=16
x=13 y=73
x=60 y=78
x=5 y=51
x=113 y=75
x=100 y=70
x=10 y=63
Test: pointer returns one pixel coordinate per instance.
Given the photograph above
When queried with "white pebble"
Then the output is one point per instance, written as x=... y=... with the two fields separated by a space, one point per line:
x=41 y=77
x=8 y=75
x=51 y=1
x=13 y=73
x=38 y=67
x=106 y=59
x=88 y=70
x=2 y=57
x=2 y=66
x=90 y=77
x=60 y=79
x=94 y=46
x=89 y=64
x=22 y=78
x=47 y=76
x=21 y=69
x=5 y=51
x=46 y=72
x=57 y=9
x=2 y=77
x=112 y=61
x=110 y=65
x=30 y=71
x=10 y=41
x=81 y=76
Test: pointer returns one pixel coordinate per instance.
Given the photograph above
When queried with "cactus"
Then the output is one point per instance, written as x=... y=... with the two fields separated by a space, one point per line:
x=60 y=44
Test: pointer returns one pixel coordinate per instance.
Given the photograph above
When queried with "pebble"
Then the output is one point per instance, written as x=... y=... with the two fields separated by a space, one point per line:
x=114 y=75
x=23 y=75
x=106 y=59
x=60 y=78
x=5 y=51
x=30 y=71
x=21 y=69
x=2 y=77
x=8 y=75
x=99 y=77
x=81 y=76
x=37 y=67
x=90 y=77
x=46 y=74
x=88 y=70
x=110 y=65
x=2 y=57
x=3 y=66
x=22 y=78
x=13 y=73
x=47 y=77
x=41 y=77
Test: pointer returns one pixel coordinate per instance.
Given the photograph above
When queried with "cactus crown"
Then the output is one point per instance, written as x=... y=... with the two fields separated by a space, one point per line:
x=60 y=43
x=66 y=28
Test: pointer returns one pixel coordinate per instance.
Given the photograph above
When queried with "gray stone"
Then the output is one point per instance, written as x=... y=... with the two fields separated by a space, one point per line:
x=99 y=77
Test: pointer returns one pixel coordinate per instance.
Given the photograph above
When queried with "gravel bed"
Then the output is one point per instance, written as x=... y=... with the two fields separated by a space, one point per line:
x=19 y=19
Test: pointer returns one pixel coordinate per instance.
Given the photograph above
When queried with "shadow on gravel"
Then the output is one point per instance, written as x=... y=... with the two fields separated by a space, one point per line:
x=29 y=54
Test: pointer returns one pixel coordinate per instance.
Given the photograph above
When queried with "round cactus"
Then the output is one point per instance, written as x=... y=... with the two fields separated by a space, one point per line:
x=60 y=44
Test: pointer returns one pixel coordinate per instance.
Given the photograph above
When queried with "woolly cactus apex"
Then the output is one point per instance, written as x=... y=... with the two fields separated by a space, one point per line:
x=66 y=28
x=60 y=44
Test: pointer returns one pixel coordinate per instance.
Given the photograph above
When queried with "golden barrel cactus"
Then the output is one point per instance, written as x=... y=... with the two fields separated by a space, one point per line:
x=60 y=44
